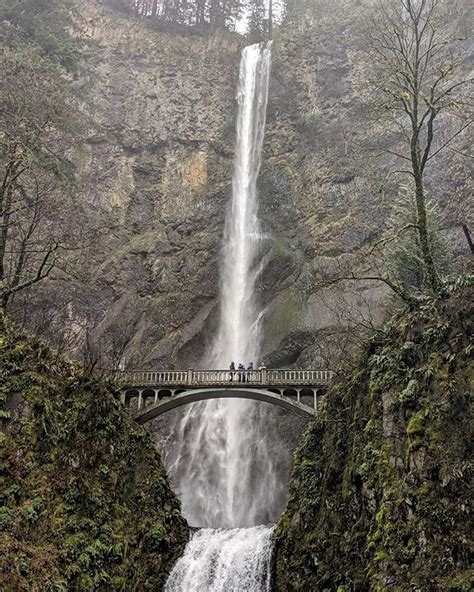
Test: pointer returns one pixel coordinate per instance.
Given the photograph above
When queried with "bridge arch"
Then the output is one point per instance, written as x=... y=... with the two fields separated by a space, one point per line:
x=164 y=393
x=144 y=415
x=148 y=397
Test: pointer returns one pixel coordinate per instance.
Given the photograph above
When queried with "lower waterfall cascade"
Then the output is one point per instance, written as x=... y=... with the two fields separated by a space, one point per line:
x=223 y=471
x=235 y=560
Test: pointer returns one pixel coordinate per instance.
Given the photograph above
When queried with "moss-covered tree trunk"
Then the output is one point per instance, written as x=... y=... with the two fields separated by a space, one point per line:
x=430 y=274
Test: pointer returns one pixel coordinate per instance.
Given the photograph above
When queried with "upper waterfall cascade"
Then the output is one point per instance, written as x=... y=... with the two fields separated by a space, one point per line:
x=238 y=336
x=223 y=472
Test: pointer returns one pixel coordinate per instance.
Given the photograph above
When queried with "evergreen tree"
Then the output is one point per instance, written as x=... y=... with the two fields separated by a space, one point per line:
x=218 y=13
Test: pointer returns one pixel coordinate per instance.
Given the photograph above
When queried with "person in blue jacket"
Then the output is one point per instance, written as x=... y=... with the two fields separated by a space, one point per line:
x=249 y=371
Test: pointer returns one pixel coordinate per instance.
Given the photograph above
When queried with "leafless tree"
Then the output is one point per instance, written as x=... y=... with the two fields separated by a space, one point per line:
x=34 y=184
x=420 y=83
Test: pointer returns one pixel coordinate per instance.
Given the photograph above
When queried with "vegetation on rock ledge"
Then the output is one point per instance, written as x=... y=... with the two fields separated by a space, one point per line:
x=379 y=496
x=85 y=503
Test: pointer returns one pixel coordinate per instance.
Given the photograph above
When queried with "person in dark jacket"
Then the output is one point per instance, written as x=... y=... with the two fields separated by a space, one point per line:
x=232 y=370
x=249 y=371
x=241 y=376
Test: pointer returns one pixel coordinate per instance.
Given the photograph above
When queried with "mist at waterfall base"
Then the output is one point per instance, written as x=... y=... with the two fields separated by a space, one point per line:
x=222 y=467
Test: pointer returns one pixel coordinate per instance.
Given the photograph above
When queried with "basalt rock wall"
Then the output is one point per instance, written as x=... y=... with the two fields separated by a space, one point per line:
x=154 y=170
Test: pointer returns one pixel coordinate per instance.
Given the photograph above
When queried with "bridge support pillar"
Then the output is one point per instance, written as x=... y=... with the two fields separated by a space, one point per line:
x=156 y=395
x=140 y=398
x=315 y=399
x=298 y=395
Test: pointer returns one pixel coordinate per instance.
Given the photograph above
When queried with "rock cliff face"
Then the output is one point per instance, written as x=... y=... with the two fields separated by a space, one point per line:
x=155 y=168
x=379 y=495
x=322 y=195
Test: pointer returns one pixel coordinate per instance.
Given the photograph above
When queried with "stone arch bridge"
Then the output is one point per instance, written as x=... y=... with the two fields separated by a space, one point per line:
x=149 y=394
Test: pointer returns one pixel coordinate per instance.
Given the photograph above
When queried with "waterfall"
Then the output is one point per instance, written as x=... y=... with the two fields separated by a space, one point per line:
x=238 y=336
x=223 y=471
x=224 y=561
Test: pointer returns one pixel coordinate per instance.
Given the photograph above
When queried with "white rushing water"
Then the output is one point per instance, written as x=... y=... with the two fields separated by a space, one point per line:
x=224 y=561
x=222 y=470
x=238 y=336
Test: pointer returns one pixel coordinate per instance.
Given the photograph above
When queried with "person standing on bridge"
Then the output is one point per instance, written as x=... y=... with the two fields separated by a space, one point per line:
x=241 y=375
x=249 y=371
x=232 y=370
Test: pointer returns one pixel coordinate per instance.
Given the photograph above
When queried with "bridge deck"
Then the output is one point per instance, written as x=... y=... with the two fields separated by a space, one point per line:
x=222 y=378
x=151 y=393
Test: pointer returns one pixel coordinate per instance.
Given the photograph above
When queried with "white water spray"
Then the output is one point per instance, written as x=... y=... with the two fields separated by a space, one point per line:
x=223 y=471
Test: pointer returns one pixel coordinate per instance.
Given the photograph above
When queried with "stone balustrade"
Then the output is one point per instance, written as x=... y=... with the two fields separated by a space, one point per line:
x=202 y=378
x=150 y=393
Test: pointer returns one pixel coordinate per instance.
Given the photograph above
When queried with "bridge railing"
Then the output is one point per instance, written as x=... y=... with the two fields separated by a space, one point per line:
x=298 y=377
x=149 y=378
x=177 y=378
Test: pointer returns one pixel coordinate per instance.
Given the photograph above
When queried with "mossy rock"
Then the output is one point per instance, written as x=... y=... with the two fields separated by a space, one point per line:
x=417 y=423
x=85 y=503
x=380 y=492
x=285 y=313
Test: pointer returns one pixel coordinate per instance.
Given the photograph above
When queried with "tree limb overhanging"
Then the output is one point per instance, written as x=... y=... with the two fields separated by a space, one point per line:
x=36 y=125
